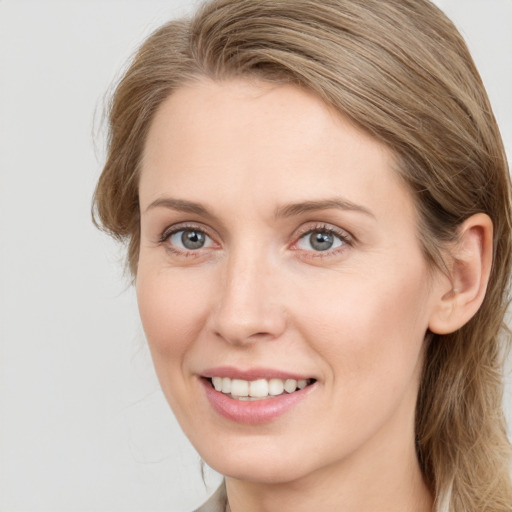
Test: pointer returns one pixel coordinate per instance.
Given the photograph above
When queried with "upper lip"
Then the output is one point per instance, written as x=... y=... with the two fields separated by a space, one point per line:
x=251 y=374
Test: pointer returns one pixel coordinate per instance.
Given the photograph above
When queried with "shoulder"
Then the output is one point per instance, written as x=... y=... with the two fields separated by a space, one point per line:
x=216 y=503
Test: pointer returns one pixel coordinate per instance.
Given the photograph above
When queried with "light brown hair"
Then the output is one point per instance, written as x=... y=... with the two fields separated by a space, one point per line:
x=400 y=70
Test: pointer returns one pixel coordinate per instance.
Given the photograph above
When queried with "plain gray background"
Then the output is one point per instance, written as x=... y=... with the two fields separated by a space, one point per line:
x=83 y=424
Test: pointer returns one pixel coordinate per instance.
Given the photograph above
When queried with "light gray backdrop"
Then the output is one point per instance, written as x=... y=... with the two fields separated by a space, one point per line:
x=83 y=424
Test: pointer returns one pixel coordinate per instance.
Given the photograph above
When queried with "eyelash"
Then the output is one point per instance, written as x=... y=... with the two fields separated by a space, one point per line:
x=343 y=236
x=169 y=232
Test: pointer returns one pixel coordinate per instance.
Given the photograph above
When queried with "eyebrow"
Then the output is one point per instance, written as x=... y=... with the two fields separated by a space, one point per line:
x=302 y=207
x=285 y=211
x=180 y=205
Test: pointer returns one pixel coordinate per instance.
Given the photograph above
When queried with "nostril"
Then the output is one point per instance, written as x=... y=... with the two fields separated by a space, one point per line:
x=243 y=336
x=260 y=334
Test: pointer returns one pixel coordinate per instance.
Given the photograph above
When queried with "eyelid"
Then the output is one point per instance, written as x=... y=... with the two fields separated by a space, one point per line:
x=342 y=234
x=347 y=238
x=181 y=226
x=184 y=226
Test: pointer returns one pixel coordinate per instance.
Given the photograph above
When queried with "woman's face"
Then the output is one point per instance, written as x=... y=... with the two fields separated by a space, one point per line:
x=279 y=247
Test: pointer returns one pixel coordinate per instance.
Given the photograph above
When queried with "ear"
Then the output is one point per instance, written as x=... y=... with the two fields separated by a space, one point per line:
x=462 y=293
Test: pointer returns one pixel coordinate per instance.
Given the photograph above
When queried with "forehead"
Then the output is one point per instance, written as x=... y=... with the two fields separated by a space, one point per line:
x=274 y=142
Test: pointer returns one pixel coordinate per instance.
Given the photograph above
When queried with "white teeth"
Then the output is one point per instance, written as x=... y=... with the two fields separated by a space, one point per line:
x=217 y=383
x=226 y=385
x=275 y=387
x=290 y=385
x=239 y=387
x=256 y=389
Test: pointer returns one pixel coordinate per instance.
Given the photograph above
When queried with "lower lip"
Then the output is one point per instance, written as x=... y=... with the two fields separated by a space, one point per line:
x=253 y=411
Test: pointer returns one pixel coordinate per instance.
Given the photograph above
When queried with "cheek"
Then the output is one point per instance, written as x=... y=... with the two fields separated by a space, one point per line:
x=368 y=327
x=170 y=307
x=368 y=337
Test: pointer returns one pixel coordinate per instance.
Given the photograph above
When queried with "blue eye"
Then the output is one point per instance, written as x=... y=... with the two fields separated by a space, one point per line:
x=320 y=240
x=189 y=239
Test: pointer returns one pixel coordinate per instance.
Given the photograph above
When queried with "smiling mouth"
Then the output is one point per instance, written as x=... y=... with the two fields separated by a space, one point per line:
x=260 y=389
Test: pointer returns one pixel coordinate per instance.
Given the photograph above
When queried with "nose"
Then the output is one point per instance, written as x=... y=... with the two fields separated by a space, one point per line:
x=249 y=306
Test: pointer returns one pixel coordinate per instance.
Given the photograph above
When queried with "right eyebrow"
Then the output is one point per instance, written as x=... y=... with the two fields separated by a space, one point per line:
x=180 y=205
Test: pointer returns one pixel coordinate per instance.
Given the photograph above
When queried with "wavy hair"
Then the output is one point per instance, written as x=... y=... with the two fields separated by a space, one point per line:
x=401 y=71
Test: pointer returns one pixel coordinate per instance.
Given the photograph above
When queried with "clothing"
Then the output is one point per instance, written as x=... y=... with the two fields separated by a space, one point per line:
x=217 y=502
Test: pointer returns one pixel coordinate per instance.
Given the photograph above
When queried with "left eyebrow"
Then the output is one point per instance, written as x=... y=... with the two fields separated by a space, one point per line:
x=290 y=210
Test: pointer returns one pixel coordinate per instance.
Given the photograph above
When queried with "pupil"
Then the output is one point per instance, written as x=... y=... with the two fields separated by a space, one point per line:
x=321 y=241
x=192 y=239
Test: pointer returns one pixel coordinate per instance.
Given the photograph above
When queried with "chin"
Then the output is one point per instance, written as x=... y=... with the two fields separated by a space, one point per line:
x=259 y=464
x=266 y=472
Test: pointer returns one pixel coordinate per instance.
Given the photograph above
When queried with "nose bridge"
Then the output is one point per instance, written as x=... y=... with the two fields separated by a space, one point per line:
x=248 y=304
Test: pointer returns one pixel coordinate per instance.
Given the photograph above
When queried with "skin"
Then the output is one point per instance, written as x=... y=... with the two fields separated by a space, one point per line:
x=259 y=295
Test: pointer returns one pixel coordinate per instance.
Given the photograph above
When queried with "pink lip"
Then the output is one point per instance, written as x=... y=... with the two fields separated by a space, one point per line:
x=250 y=374
x=253 y=412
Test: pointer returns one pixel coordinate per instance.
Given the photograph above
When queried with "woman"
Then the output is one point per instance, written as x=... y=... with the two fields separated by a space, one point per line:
x=316 y=202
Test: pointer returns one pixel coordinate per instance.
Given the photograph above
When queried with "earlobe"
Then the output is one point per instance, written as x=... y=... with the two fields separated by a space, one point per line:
x=462 y=293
